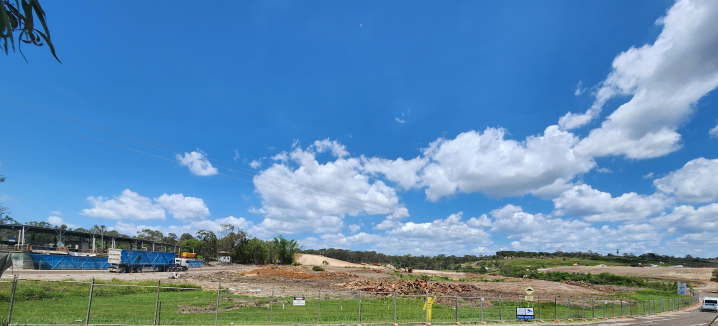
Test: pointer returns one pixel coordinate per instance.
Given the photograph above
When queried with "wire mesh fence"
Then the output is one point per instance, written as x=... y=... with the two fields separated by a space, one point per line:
x=155 y=303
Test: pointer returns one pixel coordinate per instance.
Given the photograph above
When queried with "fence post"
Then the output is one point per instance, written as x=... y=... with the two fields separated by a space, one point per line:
x=604 y=309
x=457 y=306
x=613 y=309
x=593 y=309
x=481 y=306
x=12 y=299
x=216 y=312
x=568 y=313
x=644 y=307
x=319 y=306
x=271 y=307
x=157 y=302
x=394 y=306
x=426 y=305
x=555 y=307
x=501 y=310
x=359 y=319
x=583 y=308
x=621 y=300
x=630 y=307
x=538 y=303
x=159 y=315
x=89 y=303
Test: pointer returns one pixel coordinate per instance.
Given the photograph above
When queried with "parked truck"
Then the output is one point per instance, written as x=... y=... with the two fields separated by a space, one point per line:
x=129 y=261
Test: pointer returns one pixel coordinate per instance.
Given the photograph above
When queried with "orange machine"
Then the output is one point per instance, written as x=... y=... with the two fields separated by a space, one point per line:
x=188 y=255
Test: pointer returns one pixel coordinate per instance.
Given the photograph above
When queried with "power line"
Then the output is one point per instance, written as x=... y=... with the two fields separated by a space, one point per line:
x=362 y=208
x=142 y=140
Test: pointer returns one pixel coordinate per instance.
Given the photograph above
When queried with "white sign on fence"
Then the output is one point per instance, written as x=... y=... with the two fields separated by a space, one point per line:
x=298 y=301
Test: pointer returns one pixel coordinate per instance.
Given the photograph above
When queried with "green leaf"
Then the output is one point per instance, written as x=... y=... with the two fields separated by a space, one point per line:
x=5 y=20
x=49 y=43
x=29 y=19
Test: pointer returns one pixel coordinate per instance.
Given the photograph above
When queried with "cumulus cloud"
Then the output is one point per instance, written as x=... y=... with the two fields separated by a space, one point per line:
x=695 y=182
x=551 y=233
x=354 y=228
x=128 y=205
x=337 y=149
x=713 y=132
x=593 y=205
x=604 y=170
x=345 y=189
x=184 y=208
x=688 y=219
x=488 y=163
x=665 y=80
x=403 y=172
x=54 y=220
x=197 y=163
x=439 y=236
x=255 y=164
x=648 y=176
x=56 y=213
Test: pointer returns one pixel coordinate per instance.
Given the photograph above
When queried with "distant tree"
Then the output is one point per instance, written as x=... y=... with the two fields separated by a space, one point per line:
x=17 y=21
x=230 y=236
x=150 y=235
x=208 y=248
x=171 y=238
x=184 y=237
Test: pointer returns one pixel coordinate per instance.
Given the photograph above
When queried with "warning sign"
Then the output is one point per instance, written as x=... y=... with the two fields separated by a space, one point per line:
x=529 y=298
x=529 y=290
x=298 y=301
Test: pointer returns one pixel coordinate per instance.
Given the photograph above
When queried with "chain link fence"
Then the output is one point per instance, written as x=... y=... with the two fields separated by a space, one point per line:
x=156 y=303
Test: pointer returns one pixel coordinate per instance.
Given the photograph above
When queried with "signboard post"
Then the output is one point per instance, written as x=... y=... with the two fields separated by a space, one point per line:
x=298 y=301
x=525 y=313
x=682 y=289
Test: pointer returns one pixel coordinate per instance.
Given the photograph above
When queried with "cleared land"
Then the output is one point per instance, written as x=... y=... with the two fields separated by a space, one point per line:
x=666 y=273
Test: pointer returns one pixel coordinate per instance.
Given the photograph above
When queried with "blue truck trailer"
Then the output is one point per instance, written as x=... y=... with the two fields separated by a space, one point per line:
x=129 y=261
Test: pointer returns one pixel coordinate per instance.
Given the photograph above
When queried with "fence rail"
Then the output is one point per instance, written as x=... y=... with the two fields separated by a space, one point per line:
x=110 y=302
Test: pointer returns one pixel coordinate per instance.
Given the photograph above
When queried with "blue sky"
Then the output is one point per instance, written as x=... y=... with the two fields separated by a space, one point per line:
x=455 y=116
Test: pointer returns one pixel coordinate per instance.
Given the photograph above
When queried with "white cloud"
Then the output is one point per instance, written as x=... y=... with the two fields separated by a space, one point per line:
x=439 y=236
x=604 y=170
x=184 y=208
x=337 y=149
x=488 y=163
x=481 y=222
x=54 y=220
x=665 y=80
x=339 y=240
x=593 y=205
x=688 y=219
x=290 y=208
x=128 y=205
x=403 y=172
x=255 y=164
x=579 y=89
x=236 y=155
x=399 y=120
x=197 y=162
x=713 y=132
x=548 y=234
x=56 y=213
x=354 y=228
x=695 y=182
x=648 y=176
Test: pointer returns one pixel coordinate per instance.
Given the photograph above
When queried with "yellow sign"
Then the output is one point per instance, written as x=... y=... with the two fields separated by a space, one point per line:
x=529 y=290
x=529 y=298
x=429 y=302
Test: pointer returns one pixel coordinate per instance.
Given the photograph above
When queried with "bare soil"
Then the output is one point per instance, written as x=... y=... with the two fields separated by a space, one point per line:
x=665 y=273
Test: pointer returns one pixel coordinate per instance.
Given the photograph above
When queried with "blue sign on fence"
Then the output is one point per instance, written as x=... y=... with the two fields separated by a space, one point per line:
x=525 y=313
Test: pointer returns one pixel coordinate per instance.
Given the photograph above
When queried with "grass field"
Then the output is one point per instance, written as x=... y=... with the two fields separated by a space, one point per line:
x=117 y=303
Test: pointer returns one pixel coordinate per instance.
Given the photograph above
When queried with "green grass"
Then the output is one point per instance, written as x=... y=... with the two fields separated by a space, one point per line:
x=66 y=303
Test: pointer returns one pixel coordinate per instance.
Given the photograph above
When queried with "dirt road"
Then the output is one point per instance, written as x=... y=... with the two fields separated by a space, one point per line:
x=667 y=273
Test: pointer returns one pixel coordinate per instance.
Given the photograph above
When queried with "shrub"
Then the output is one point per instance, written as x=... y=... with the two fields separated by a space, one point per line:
x=318 y=269
x=714 y=278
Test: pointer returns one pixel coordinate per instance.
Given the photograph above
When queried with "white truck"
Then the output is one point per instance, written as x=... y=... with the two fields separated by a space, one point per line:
x=709 y=304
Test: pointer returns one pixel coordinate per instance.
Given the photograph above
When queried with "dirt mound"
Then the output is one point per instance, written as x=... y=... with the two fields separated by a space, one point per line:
x=317 y=260
x=410 y=287
x=293 y=272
